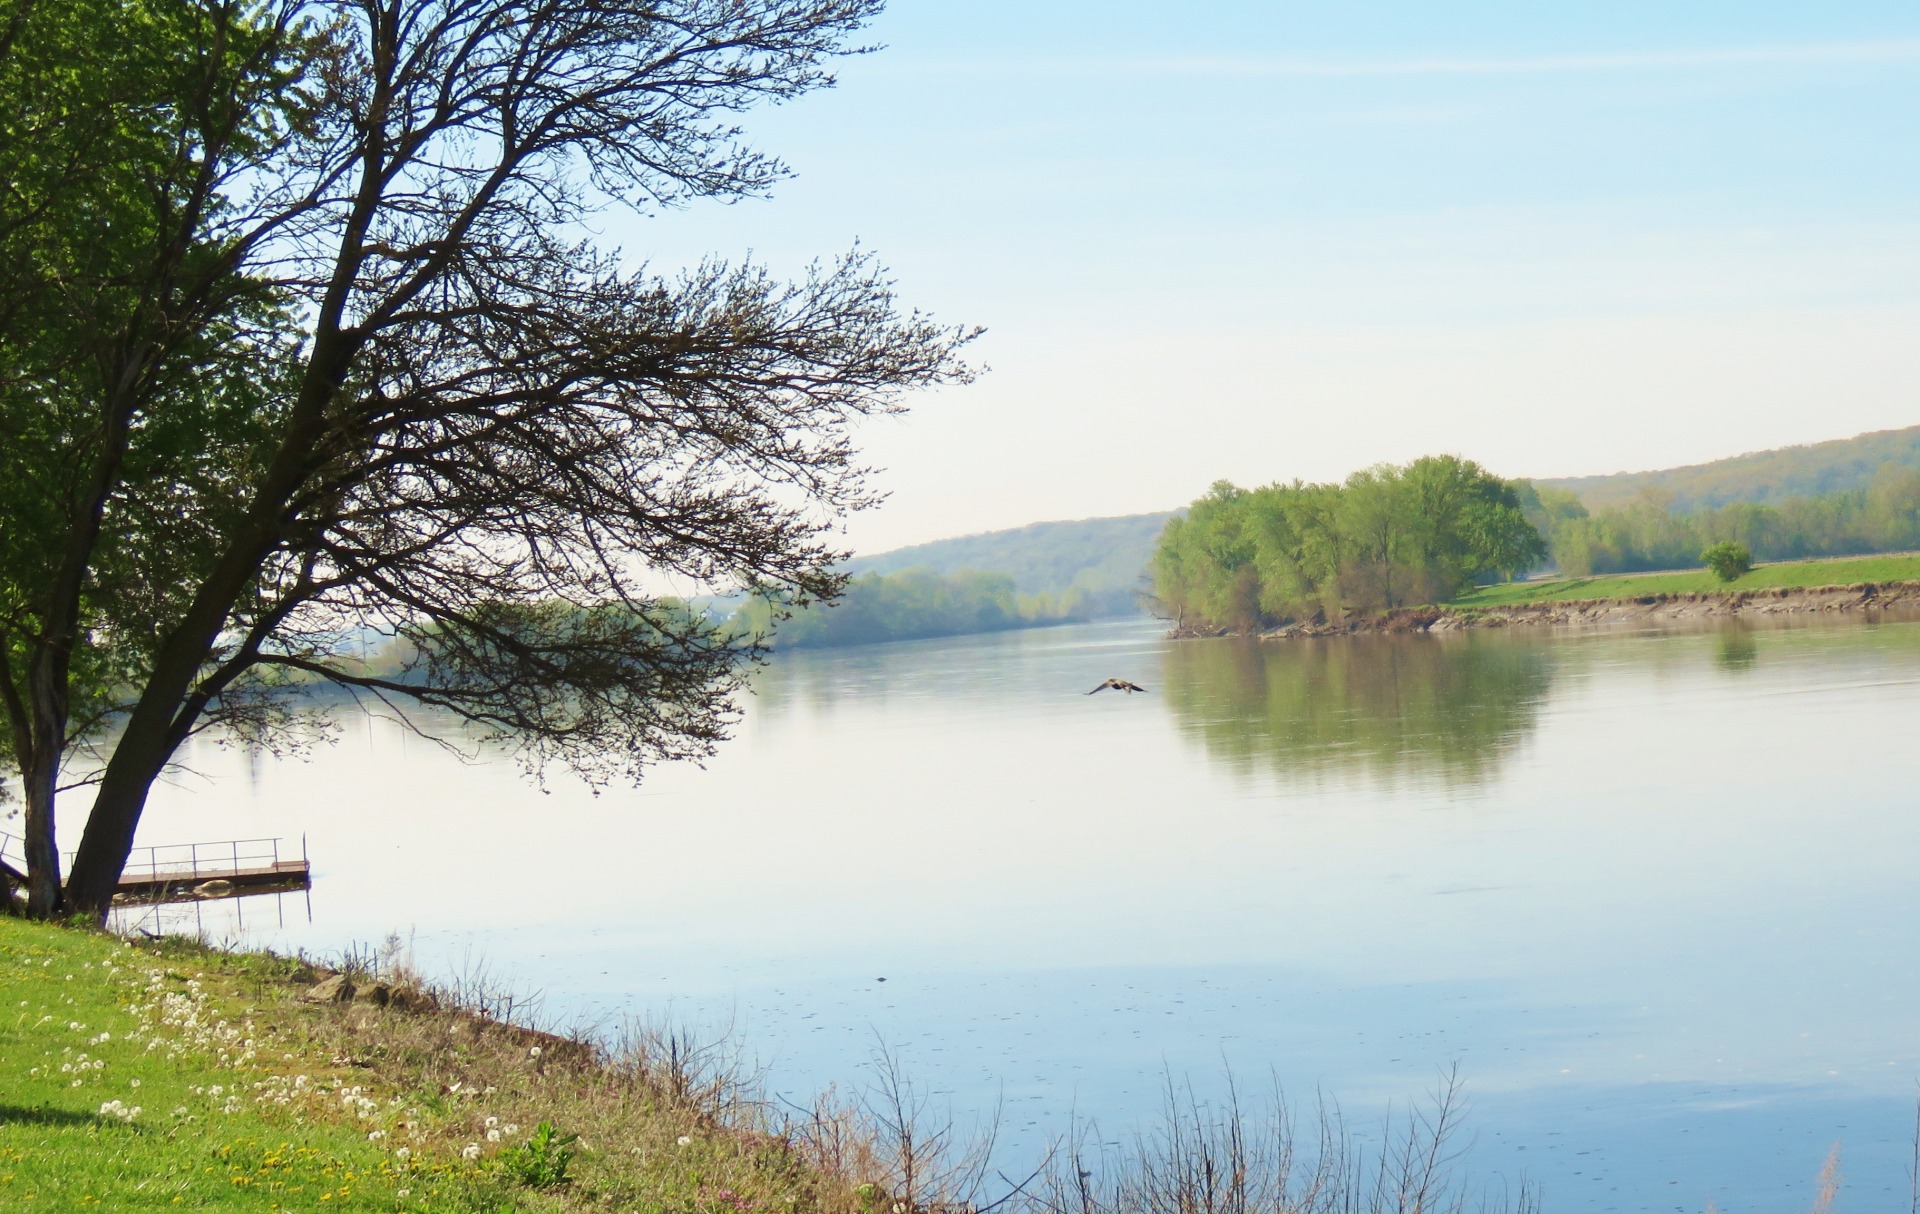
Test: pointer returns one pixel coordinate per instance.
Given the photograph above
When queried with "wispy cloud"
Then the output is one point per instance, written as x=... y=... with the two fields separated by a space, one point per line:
x=1801 y=54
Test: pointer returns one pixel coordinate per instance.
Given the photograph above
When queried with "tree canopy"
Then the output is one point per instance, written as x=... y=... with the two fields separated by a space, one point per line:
x=1728 y=561
x=1387 y=537
x=332 y=356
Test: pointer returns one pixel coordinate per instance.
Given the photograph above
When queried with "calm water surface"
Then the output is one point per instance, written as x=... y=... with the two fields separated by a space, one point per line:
x=1655 y=894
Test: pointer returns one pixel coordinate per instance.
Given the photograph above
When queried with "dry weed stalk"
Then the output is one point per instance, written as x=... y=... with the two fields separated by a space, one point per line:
x=1913 y=1165
x=1223 y=1158
x=926 y=1162
x=1828 y=1183
x=707 y=1078
x=835 y=1137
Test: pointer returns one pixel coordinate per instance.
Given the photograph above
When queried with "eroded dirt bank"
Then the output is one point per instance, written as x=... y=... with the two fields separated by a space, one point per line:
x=1864 y=600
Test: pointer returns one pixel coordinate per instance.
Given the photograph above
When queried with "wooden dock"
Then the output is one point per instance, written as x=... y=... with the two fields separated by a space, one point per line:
x=197 y=872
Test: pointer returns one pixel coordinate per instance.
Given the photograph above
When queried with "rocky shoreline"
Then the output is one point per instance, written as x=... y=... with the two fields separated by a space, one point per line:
x=1863 y=599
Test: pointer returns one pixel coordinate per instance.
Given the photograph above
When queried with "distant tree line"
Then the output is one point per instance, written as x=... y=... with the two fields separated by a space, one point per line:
x=1386 y=537
x=1099 y=562
x=1649 y=533
x=907 y=605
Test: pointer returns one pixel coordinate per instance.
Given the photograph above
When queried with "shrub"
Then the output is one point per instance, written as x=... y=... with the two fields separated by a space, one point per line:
x=1727 y=559
x=542 y=1161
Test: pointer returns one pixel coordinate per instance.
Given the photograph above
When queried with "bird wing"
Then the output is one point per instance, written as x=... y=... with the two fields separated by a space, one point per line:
x=1102 y=687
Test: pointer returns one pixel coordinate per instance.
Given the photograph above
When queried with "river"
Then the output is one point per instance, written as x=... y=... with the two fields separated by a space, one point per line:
x=1653 y=893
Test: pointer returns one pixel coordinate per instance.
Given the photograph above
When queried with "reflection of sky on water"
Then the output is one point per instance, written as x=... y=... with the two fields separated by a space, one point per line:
x=1655 y=894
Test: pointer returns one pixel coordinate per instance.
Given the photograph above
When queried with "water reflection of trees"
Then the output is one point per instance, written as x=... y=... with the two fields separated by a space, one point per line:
x=1391 y=707
x=1737 y=650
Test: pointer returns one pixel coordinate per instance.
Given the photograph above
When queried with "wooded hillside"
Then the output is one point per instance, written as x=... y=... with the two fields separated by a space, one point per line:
x=1098 y=563
x=1815 y=470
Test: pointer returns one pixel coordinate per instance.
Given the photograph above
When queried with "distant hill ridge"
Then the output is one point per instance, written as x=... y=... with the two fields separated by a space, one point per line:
x=1107 y=557
x=1758 y=476
x=1102 y=558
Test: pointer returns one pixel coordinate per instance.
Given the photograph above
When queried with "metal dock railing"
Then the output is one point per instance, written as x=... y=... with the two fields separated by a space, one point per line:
x=187 y=872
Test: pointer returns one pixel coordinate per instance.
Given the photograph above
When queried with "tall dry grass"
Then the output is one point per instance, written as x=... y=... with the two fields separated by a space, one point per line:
x=1229 y=1157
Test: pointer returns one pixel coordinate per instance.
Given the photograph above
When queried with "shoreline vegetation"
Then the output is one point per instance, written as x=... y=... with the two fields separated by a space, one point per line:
x=1441 y=543
x=1861 y=587
x=165 y=1073
x=918 y=604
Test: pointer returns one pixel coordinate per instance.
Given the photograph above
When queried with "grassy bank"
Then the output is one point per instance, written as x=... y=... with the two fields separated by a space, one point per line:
x=165 y=1076
x=1842 y=571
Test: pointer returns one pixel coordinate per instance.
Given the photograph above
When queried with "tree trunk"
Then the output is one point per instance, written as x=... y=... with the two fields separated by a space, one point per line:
x=40 y=772
x=104 y=849
x=41 y=844
x=138 y=759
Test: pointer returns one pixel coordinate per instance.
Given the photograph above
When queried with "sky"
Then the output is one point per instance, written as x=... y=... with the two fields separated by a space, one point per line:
x=1261 y=241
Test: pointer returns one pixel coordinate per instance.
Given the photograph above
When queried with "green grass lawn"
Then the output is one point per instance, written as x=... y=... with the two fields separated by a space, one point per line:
x=1845 y=571
x=138 y=1081
x=169 y=1076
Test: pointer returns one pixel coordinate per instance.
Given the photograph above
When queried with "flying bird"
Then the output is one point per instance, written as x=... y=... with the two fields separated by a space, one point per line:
x=1118 y=685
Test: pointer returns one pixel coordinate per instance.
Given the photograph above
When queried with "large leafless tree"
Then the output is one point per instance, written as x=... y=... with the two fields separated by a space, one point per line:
x=399 y=390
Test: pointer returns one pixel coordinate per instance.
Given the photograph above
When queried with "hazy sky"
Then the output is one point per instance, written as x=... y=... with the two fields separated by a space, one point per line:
x=1272 y=240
